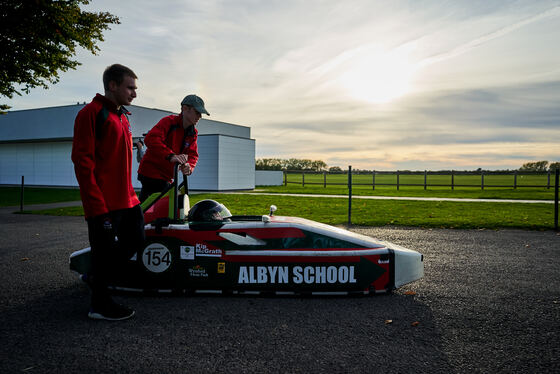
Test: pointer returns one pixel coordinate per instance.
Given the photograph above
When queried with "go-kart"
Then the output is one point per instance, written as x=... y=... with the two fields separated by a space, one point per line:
x=209 y=250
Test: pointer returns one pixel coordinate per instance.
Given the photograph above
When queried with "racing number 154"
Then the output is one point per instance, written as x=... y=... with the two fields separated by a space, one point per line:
x=154 y=258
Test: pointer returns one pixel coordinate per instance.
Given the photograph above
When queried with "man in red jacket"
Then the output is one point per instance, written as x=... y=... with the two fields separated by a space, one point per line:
x=172 y=140
x=102 y=157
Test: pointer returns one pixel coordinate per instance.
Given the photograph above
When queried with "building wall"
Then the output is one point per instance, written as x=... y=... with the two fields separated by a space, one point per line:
x=37 y=144
x=269 y=177
x=205 y=175
x=225 y=163
x=45 y=164
x=236 y=163
x=56 y=123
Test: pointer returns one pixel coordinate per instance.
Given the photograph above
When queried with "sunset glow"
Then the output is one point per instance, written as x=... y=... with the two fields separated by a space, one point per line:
x=372 y=84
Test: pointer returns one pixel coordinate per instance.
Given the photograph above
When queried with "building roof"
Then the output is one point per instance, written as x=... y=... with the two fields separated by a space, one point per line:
x=57 y=124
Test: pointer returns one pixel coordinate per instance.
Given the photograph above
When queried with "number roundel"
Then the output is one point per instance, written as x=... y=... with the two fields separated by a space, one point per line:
x=156 y=258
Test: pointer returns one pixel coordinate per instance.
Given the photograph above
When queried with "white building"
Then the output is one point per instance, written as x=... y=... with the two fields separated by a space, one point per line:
x=37 y=144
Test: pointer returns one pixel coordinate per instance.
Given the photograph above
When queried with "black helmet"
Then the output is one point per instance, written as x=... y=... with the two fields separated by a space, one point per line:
x=208 y=211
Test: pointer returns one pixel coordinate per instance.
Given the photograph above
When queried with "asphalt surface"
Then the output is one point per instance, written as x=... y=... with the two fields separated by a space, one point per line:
x=489 y=302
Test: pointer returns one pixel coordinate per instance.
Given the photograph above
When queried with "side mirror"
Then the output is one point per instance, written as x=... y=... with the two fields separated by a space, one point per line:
x=273 y=209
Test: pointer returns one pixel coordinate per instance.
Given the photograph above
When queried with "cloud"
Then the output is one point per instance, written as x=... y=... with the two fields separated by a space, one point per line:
x=533 y=106
x=464 y=48
x=479 y=81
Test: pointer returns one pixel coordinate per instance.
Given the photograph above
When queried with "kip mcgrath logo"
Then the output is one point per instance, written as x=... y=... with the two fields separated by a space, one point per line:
x=203 y=251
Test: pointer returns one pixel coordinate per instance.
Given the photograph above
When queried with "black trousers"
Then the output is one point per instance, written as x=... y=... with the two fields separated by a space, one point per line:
x=114 y=239
x=150 y=186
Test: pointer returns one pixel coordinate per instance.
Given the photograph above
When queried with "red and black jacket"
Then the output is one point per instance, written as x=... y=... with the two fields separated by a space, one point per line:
x=102 y=157
x=165 y=139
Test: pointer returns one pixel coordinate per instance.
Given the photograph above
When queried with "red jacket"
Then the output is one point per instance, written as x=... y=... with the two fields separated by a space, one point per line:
x=167 y=138
x=102 y=157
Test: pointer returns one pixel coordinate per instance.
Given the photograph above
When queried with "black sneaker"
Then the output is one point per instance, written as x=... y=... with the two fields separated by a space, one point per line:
x=111 y=312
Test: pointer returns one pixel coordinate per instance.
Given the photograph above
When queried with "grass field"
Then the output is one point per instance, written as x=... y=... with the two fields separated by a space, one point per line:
x=483 y=215
x=494 y=193
x=427 y=214
x=337 y=184
x=466 y=186
x=11 y=196
x=432 y=180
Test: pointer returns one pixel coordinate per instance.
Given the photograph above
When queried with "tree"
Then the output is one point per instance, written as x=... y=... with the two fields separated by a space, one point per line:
x=39 y=40
x=554 y=166
x=268 y=164
x=318 y=165
x=305 y=164
x=535 y=166
x=289 y=164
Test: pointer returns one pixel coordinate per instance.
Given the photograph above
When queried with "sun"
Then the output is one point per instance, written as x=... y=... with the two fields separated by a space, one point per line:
x=378 y=77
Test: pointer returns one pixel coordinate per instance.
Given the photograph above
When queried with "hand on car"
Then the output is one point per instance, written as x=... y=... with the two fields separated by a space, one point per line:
x=183 y=164
x=180 y=159
x=186 y=169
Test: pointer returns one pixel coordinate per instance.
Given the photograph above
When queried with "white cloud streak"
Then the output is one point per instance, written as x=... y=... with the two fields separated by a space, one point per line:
x=478 y=82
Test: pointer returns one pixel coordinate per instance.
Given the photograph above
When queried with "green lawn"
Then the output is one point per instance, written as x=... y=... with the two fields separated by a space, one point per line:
x=465 y=186
x=470 y=193
x=11 y=196
x=427 y=214
x=432 y=180
x=364 y=212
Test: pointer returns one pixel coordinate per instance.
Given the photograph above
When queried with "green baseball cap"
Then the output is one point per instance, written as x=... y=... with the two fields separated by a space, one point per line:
x=196 y=102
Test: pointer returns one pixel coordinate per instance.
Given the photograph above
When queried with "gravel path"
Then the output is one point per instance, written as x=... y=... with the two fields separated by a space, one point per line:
x=489 y=302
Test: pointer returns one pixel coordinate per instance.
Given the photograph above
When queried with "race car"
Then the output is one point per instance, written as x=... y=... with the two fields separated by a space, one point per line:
x=210 y=250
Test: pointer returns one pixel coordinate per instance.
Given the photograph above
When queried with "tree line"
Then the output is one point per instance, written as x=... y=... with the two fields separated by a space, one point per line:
x=319 y=165
x=289 y=164
x=540 y=166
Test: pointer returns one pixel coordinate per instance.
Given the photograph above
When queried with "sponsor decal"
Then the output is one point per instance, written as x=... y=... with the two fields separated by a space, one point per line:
x=382 y=261
x=297 y=274
x=187 y=252
x=221 y=267
x=156 y=258
x=198 y=272
x=203 y=251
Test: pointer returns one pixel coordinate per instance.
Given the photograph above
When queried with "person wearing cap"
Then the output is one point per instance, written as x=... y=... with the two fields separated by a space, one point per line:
x=172 y=140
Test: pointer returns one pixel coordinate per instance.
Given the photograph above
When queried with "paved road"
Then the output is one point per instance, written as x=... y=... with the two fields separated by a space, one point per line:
x=489 y=302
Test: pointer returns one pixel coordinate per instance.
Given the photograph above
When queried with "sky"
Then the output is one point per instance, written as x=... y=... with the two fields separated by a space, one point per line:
x=378 y=85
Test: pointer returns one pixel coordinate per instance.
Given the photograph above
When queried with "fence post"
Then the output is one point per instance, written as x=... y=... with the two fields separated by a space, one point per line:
x=397 y=180
x=285 y=178
x=556 y=200
x=452 y=179
x=515 y=180
x=324 y=179
x=349 y=195
x=373 y=181
x=425 y=179
x=482 y=179
x=303 y=179
x=21 y=194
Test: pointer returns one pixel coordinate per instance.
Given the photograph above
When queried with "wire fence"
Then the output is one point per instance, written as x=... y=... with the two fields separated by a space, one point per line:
x=425 y=179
